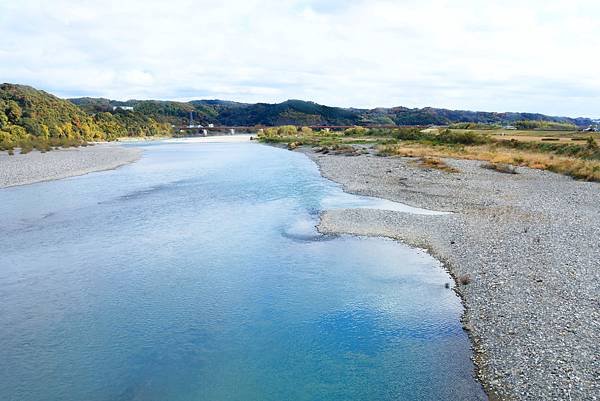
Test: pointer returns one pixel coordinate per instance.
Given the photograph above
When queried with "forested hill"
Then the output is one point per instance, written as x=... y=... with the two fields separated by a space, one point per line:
x=34 y=118
x=298 y=112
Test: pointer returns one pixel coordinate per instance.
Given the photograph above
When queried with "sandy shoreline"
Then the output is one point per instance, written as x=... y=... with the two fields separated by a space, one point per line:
x=36 y=167
x=528 y=243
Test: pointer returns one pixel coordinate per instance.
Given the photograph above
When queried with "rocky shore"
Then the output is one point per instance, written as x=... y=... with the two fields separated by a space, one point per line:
x=524 y=250
x=34 y=166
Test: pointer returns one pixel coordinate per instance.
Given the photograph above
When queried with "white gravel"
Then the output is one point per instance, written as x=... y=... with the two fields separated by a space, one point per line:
x=35 y=166
x=530 y=244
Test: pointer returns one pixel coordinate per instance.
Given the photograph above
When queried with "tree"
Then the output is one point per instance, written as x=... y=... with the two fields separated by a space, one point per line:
x=3 y=119
x=13 y=111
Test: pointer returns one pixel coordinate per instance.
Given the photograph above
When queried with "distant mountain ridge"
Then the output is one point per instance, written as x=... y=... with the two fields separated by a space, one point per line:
x=300 y=112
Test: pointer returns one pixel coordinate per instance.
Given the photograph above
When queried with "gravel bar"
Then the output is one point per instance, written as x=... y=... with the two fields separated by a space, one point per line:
x=35 y=166
x=529 y=244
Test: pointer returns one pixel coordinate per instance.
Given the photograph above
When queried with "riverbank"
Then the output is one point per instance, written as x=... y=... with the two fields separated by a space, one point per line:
x=523 y=249
x=21 y=169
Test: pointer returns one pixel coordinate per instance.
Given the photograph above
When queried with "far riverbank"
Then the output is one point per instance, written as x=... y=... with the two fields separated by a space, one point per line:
x=32 y=167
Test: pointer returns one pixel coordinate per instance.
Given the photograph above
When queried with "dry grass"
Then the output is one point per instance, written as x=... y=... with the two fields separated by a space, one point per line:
x=500 y=167
x=533 y=135
x=575 y=167
x=337 y=149
x=435 y=163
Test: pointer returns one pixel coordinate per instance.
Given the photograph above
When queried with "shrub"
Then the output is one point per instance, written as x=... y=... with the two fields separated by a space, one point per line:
x=474 y=126
x=337 y=149
x=411 y=134
x=356 y=131
x=306 y=131
x=285 y=130
x=591 y=143
x=462 y=138
x=436 y=163
x=293 y=145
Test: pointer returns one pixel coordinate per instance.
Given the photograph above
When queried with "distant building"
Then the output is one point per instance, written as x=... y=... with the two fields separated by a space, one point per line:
x=510 y=127
x=211 y=125
x=130 y=108
x=590 y=129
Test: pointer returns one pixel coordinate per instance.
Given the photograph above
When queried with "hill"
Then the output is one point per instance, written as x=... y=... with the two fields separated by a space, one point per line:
x=299 y=112
x=34 y=118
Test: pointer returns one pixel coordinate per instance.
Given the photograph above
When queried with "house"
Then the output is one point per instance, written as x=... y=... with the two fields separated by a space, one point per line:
x=509 y=127
x=130 y=108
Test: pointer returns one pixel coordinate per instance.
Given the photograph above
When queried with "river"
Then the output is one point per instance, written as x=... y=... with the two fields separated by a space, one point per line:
x=197 y=274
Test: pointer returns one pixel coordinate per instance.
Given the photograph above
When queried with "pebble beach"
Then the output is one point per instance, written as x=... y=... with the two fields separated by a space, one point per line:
x=524 y=250
x=32 y=167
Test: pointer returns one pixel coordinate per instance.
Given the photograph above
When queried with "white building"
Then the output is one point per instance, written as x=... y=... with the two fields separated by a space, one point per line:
x=130 y=108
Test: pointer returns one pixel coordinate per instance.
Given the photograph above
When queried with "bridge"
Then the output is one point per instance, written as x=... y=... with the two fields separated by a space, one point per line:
x=233 y=129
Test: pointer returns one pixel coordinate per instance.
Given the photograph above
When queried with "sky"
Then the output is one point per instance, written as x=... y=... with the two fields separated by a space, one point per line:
x=527 y=55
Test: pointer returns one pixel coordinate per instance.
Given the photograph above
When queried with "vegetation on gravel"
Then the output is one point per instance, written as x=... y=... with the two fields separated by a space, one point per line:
x=435 y=163
x=579 y=159
x=500 y=167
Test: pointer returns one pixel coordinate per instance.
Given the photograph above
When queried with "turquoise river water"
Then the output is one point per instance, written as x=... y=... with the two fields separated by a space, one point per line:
x=196 y=274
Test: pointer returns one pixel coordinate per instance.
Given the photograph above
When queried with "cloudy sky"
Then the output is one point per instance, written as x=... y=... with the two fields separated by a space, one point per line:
x=525 y=55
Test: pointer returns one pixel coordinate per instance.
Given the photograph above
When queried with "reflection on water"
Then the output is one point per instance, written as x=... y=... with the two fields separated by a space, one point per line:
x=197 y=274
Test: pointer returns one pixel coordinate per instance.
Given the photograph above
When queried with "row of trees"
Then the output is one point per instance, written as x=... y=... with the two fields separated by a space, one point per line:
x=545 y=125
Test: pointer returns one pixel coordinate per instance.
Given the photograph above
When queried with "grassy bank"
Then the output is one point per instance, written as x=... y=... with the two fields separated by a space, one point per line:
x=587 y=168
x=574 y=154
x=580 y=160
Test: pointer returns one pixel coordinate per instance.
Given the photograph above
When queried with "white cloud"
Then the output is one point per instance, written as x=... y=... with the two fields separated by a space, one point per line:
x=511 y=55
